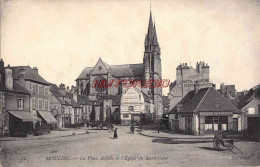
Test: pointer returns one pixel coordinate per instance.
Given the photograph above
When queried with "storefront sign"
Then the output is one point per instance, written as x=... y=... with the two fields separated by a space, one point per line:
x=215 y=113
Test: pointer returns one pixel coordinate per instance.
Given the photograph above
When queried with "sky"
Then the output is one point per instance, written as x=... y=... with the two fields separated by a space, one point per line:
x=61 y=38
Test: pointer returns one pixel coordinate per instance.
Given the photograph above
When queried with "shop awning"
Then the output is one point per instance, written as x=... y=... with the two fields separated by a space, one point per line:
x=25 y=116
x=47 y=116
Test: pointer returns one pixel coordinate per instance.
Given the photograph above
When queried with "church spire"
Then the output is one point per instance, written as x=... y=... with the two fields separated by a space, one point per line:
x=150 y=28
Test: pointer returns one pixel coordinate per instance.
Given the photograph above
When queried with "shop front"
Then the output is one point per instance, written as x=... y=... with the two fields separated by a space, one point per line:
x=215 y=121
x=21 y=123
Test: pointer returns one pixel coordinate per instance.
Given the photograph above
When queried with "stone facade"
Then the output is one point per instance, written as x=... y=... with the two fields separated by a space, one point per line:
x=186 y=78
x=150 y=68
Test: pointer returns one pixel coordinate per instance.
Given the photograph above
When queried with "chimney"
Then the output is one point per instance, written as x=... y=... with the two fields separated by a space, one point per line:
x=2 y=72
x=21 y=77
x=9 y=78
x=35 y=69
x=62 y=89
x=72 y=90
x=196 y=87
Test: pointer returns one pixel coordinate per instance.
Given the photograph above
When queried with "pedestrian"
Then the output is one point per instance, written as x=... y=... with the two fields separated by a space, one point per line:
x=115 y=133
x=112 y=127
x=133 y=129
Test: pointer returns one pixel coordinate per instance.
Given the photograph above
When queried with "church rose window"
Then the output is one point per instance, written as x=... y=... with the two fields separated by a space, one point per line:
x=100 y=84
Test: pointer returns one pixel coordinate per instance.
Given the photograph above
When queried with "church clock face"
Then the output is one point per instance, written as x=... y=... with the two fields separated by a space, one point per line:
x=100 y=84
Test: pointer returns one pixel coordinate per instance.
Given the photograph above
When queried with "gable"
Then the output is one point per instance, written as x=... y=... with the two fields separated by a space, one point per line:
x=132 y=96
x=100 y=68
x=215 y=101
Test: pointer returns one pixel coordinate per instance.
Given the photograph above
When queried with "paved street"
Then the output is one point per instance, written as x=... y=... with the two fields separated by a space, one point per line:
x=99 y=149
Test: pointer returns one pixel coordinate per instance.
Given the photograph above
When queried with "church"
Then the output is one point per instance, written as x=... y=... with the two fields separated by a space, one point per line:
x=125 y=104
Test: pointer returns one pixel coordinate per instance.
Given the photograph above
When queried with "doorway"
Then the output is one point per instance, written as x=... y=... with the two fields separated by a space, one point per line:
x=188 y=125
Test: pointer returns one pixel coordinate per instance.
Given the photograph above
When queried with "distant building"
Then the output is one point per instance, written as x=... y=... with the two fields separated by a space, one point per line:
x=166 y=105
x=205 y=110
x=15 y=116
x=229 y=91
x=186 y=77
x=250 y=107
x=39 y=89
x=150 y=68
x=133 y=103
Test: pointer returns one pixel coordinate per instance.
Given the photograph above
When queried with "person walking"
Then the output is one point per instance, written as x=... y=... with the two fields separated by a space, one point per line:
x=133 y=129
x=115 y=133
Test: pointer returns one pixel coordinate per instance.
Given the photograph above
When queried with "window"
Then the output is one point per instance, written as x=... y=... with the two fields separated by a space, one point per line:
x=40 y=105
x=46 y=105
x=131 y=108
x=36 y=104
x=33 y=104
x=34 y=89
x=46 y=93
x=125 y=115
x=20 y=103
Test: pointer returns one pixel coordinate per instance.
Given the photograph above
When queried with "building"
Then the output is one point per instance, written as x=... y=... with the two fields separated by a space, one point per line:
x=206 y=110
x=250 y=108
x=15 y=116
x=150 y=68
x=39 y=89
x=64 y=107
x=134 y=103
x=186 y=77
x=166 y=105
x=229 y=91
x=86 y=106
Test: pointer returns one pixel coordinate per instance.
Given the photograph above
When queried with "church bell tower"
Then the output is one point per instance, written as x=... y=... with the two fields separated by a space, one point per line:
x=152 y=65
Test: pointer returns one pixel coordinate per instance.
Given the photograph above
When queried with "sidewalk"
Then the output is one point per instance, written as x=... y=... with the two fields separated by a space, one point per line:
x=64 y=132
x=177 y=137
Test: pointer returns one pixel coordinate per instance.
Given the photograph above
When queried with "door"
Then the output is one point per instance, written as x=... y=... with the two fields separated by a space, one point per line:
x=188 y=125
x=235 y=124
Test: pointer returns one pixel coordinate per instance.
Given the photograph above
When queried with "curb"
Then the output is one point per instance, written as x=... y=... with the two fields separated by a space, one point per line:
x=20 y=139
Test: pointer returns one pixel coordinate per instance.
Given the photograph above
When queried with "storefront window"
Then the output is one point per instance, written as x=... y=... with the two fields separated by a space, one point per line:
x=216 y=123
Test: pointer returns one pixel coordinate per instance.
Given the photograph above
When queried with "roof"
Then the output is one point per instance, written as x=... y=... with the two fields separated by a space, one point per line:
x=206 y=99
x=75 y=104
x=165 y=101
x=83 y=100
x=125 y=70
x=249 y=97
x=30 y=74
x=146 y=97
x=56 y=93
x=48 y=117
x=25 y=116
x=16 y=88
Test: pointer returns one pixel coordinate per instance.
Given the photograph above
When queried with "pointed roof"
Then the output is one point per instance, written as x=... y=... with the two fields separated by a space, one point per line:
x=155 y=34
x=205 y=100
x=150 y=28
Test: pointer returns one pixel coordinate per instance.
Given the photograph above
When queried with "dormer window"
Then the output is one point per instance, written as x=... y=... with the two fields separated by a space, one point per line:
x=20 y=103
x=100 y=68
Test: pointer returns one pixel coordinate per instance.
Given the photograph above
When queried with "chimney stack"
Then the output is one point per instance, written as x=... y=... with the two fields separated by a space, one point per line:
x=9 y=78
x=21 y=77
